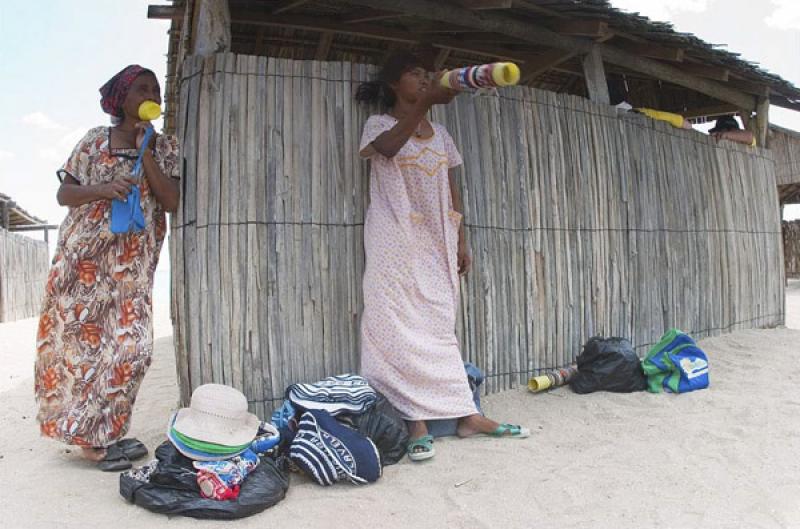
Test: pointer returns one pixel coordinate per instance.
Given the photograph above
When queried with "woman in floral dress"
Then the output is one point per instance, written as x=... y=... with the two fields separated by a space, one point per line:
x=95 y=336
x=415 y=250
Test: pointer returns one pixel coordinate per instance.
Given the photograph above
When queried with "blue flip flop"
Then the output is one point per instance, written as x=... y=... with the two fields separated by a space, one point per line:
x=427 y=450
x=514 y=431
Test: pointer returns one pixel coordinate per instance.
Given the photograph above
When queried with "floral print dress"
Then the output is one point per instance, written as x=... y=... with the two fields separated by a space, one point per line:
x=95 y=336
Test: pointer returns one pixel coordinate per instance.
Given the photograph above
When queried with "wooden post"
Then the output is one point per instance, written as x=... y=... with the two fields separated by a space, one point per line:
x=762 y=121
x=213 y=29
x=5 y=215
x=595 y=74
x=324 y=46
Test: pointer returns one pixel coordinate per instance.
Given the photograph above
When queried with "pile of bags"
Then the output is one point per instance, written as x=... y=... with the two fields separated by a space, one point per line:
x=219 y=462
x=675 y=364
x=222 y=462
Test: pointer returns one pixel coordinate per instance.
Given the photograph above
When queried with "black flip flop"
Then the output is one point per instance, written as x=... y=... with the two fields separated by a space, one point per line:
x=133 y=448
x=115 y=460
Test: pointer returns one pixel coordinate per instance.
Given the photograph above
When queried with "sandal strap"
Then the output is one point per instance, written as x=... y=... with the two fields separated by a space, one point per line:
x=513 y=429
x=425 y=442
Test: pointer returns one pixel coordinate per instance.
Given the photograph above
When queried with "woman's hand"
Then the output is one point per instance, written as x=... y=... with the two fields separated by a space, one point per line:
x=142 y=127
x=464 y=257
x=118 y=189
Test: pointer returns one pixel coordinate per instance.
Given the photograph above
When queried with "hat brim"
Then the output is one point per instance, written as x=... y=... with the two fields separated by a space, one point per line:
x=215 y=430
x=191 y=453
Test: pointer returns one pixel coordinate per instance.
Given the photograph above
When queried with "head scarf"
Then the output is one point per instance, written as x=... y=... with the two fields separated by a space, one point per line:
x=115 y=90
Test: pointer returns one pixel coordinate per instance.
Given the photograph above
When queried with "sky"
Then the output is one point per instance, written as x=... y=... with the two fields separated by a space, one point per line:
x=50 y=71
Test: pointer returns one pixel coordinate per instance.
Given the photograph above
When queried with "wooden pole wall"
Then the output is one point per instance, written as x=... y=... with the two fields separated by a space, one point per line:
x=23 y=272
x=581 y=222
x=791 y=247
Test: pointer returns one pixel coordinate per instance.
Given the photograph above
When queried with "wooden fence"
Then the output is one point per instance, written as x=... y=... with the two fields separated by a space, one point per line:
x=785 y=147
x=23 y=272
x=581 y=222
x=791 y=248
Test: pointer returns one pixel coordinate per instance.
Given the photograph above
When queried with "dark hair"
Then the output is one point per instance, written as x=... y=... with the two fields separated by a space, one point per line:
x=380 y=90
x=725 y=123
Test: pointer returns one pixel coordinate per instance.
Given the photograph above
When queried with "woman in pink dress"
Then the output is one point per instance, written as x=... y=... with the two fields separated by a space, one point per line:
x=415 y=250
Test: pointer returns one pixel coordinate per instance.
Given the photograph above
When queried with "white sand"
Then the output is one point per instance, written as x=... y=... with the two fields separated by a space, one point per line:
x=725 y=457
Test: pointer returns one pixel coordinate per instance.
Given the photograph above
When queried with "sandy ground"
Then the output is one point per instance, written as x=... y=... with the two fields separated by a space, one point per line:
x=725 y=457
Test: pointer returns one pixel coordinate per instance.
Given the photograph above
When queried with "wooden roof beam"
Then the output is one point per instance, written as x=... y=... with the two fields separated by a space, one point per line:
x=259 y=18
x=547 y=61
x=539 y=9
x=708 y=71
x=164 y=12
x=722 y=109
x=528 y=31
x=372 y=16
x=485 y=4
x=375 y=32
x=288 y=5
x=583 y=28
x=441 y=58
x=750 y=87
x=654 y=51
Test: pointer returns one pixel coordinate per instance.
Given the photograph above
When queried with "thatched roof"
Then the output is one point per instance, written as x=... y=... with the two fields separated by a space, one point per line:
x=17 y=216
x=648 y=63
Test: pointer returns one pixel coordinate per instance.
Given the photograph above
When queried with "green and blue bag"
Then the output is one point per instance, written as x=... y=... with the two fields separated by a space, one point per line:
x=676 y=364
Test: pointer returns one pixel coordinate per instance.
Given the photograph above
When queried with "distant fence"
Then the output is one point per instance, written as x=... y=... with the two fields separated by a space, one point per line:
x=785 y=147
x=791 y=248
x=23 y=272
x=581 y=223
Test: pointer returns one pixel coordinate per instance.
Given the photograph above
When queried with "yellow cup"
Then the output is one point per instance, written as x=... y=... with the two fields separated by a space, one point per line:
x=149 y=110
x=540 y=383
x=505 y=74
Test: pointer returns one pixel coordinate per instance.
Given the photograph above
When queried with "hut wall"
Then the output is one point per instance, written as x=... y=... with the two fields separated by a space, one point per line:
x=791 y=248
x=785 y=148
x=23 y=272
x=581 y=223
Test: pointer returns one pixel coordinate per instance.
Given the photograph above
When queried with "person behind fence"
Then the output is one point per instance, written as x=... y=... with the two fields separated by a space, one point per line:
x=95 y=335
x=727 y=128
x=415 y=251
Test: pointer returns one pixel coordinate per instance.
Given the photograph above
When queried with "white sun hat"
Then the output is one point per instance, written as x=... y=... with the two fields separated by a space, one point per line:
x=217 y=414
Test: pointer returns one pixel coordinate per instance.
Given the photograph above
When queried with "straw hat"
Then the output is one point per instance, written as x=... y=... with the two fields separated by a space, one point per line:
x=217 y=414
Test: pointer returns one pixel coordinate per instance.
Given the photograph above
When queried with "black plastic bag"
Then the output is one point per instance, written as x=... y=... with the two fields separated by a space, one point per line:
x=383 y=425
x=608 y=364
x=172 y=488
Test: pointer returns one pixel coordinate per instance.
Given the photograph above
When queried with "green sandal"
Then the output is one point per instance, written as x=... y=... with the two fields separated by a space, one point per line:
x=426 y=444
x=510 y=430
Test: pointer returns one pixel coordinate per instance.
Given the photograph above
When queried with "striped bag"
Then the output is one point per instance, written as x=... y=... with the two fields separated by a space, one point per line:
x=337 y=394
x=327 y=451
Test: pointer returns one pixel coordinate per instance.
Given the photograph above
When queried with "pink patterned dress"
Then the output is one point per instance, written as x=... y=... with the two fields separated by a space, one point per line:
x=409 y=349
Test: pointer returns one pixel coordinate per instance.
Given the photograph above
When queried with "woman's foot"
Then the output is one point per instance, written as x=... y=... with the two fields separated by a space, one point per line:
x=420 y=444
x=93 y=454
x=475 y=424
x=479 y=425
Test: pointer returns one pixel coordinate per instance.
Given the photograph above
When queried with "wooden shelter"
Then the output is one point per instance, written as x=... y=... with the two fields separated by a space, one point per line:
x=785 y=146
x=582 y=220
x=23 y=262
